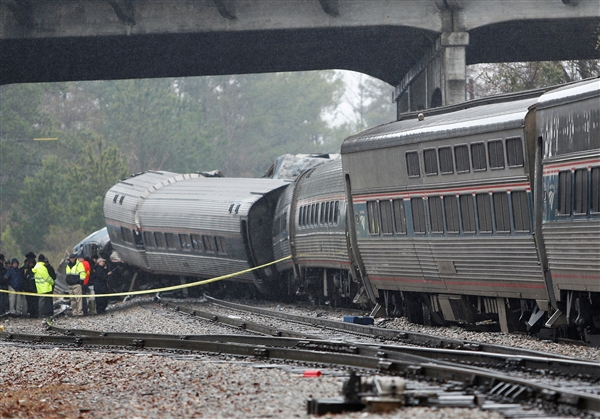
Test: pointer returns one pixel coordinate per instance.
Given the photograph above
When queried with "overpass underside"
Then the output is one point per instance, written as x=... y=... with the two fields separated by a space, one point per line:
x=421 y=47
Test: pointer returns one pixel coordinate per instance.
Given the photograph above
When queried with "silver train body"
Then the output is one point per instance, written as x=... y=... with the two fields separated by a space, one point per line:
x=484 y=210
x=456 y=216
x=191 y=225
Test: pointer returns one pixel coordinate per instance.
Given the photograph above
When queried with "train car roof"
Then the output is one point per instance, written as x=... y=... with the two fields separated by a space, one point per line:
x=214 y=189
x=570 y=93
x=473 y=120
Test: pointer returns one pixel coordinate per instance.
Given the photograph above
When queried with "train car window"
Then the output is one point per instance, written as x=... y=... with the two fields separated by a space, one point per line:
x=313 y=216
x=305 y=216
x=436 y=216
x=196 y=242
x=461 y=157
x=373 y=214
x=501 y=212
x=418 y=214
x=126 y=234
x=387 y=222
x=484 y=212
x=276 y=226
x=580 y=204
x=451 y=210
x=170 y=240
x=514 y=152
x=149 y=239
x=284 y=221
x=185 y=242
x=115 y=198
x=322 y=219
x=221 y=245
x=595 y=192
x=336 y=212
x=137 y=239
x=446 y=162
x=496 y=154
x=301 y=217
x=159 y=239
x=209 y=243
x=399 y=216
x=327 y=209
x=478 y=157
x=467 y=212
x=121 y=200
x=520 y=211
x=565 y=192
x=412 y=164
x=431 y=164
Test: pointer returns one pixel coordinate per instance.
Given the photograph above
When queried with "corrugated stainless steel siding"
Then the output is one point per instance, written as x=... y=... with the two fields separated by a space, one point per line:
x=497 y=266
x=196 y=265
x=322 y=249
x=204 y=203
x=131 y=189
x=326 y=180
x=573 y=249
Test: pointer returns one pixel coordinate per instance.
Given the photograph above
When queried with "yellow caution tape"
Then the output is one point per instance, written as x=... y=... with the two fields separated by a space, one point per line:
x=151 y=291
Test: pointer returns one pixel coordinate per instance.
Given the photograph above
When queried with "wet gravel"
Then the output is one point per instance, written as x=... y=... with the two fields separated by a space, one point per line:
x=46 y=382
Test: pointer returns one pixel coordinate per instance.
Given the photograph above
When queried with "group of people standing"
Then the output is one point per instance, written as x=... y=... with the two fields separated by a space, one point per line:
x=87 y=277
x=33 y=276
x=38 y=276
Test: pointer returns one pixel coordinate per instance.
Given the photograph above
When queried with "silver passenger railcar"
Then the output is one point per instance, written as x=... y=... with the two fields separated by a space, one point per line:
x=310 y=225
x=444 y=213
x=568 y=127
x=190 y=225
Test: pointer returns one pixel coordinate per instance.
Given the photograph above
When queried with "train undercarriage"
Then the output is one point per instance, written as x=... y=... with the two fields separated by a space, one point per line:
x=578 y=315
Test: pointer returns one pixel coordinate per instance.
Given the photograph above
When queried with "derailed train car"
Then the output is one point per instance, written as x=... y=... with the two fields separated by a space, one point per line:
x=311 y=227
x=448 y=210
x=194 y=226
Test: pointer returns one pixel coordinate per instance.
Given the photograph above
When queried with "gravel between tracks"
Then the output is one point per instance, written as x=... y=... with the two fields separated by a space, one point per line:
x=46 y=382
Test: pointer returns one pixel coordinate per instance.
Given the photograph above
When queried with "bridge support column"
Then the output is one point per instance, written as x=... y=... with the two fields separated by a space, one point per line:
x=438 y=78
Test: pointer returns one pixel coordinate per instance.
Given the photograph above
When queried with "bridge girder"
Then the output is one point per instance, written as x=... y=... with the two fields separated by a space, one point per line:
x=59 y=40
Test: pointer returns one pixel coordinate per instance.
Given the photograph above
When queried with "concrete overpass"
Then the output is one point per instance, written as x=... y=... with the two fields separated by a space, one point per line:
x=420 y=46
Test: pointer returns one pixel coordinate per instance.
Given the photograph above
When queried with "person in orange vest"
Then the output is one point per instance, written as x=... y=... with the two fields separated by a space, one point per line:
x=85 y=286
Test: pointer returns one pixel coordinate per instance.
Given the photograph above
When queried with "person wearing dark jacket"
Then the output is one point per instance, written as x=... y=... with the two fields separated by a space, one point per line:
x=100 y=283
x=29 y=286
x=14 y=278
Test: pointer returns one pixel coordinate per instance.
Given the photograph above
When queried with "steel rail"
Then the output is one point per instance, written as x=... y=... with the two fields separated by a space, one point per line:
x=390 y=334
x=560 y=365
x=236 y=323
x=321 y=352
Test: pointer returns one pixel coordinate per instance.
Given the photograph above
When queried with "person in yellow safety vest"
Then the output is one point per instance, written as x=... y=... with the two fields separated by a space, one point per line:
x=75 y=276
x=44 y=285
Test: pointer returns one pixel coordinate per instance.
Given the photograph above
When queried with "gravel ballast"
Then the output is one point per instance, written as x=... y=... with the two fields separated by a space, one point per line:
x=42 y=381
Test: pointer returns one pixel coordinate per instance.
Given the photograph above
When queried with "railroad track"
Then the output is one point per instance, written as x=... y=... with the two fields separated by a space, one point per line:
x=468 y=376
x=477 y=384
